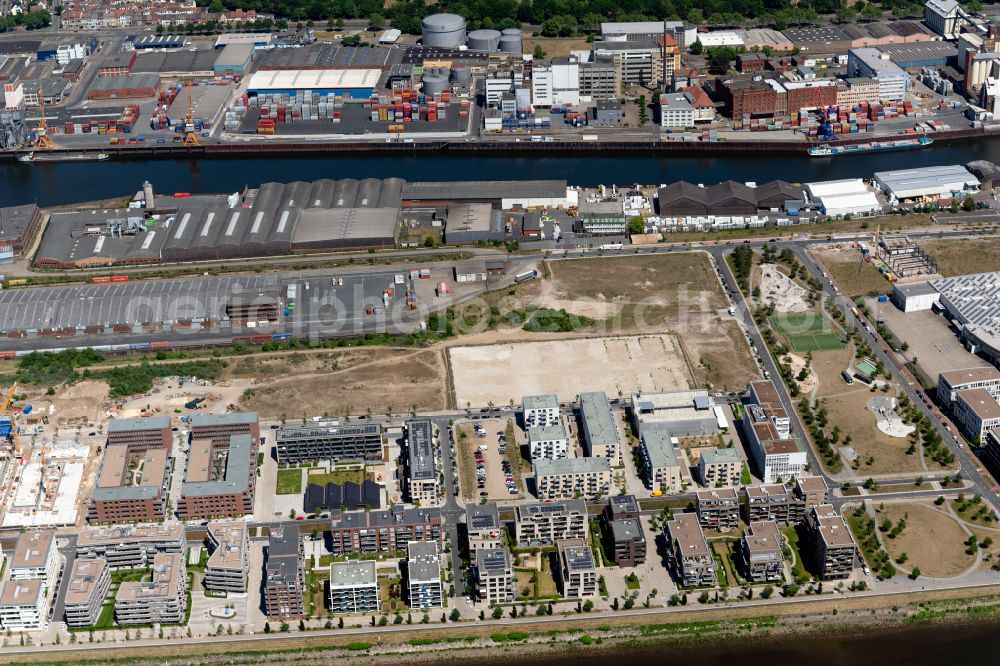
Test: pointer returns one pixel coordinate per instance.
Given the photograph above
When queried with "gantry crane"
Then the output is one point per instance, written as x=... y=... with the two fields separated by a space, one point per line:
x=7 y=409
x=42 y=139
x=191 y=137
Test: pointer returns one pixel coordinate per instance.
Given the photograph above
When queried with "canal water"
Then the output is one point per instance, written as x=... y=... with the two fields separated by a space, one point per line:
x=927 y=645
x=68 y=182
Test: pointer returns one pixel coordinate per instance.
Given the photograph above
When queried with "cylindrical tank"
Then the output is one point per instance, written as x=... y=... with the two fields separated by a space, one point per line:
x=435 y=84
x=511 y=43
x=461 y=74
x=484 y=40
x=444 y=30
x=147 y=194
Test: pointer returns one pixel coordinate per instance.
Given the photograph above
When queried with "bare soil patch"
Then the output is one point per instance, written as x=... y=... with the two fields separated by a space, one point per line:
x=961 y=257
x=932 y=540
x=852 y=275
x=878 y=453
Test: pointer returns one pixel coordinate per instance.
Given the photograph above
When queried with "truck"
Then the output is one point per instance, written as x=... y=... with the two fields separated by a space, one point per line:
x=610 y=246
x=525 y=276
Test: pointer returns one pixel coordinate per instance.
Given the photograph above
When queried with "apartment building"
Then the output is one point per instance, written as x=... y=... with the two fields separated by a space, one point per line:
x=626 y=541
x=494 y=576
x=951 y=383
x=687 y=412
x=833 y=547
x=483 y=527
x=422 y=478
x=132 y=482
x=284 y=573
x=642 y=62
x=718 y=509
x=811 y=491
x=229 y=562
x=598 y=428
x=577 y=569
x=598 y=79
x=761 y=557
x=141 y=434
x=382 y=531
x=548 y=442
x=423 y=575
x=354 y=588
x=23 y=604
x=540 y=410
x=544 y=523
x=329 y=440
x=663 y=469
x=771 y=502
x=720 y=467
x=778 y=455
x=130 y=546
x=689 y=558
x=220 y=478
x=86 y=589
x=221 y=427
x=621 y=507
x=572 y=477
x=35 y=557
x=676 y=110
x=163 y=600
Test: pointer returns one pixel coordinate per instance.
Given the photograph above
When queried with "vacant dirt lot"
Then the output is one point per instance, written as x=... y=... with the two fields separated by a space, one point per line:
x=853 y=276
x=932 y=540
x=616 y=365
x=555 y=46
x=344 y=382
x=827 y=366
x=961 y=257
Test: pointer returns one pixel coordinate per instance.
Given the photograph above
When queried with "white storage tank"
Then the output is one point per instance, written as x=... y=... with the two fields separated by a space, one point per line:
x=510 y=41
x=444 y=30
x=484 y=40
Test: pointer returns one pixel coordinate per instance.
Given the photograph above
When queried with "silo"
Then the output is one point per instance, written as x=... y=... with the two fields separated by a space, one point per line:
x=510 y=41
x=444 y=30
x=484 y=40
x=435 y=84
x=461 y=75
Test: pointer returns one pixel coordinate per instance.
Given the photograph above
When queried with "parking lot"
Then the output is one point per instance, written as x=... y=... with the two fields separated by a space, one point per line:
x=485 y=458
x=931 y=340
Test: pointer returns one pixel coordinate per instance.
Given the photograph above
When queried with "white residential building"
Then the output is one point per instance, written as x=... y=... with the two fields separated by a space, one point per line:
x=35 y=556
x=494 y=576
x=778 y=455
x=22 y=604
x=548 y=442
x=354 y=588
x=540 y=410
x=423 y=567
x=676 y=111
x=572 y=477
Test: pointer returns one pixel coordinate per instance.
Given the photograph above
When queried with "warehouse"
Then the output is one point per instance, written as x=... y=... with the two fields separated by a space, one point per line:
x=259 y=39
x=838 y=198
x=177 y=64
x=18 y=226
x=776 y=194
x=506 y=194
x=729 y=198
x=973 y=304
x=234 y=59
x=322 y=56
x=926 y=183
x=472 y=223
x=129 y=86
x=356 y=83
x=920 y=54
x=914 y=297
x=158 y=42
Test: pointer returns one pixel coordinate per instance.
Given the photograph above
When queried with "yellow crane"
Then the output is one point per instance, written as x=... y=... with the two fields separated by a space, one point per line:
x=191 y=137
x=7 y=408
x=42 y=139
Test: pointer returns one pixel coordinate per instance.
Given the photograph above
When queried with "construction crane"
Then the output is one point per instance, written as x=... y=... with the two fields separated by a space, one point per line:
x=7 y=410
x=42 y=139
x=191 y=137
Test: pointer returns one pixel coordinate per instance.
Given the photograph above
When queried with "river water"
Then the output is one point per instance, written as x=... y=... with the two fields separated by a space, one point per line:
x=68 y=182
x=927 y=645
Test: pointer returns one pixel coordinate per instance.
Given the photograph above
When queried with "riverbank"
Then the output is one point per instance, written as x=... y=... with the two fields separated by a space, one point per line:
x=802 y=618
x=524 y=146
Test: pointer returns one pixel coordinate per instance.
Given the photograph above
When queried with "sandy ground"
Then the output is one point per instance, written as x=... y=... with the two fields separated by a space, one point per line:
x=782 y=291
x=886 y=418
x=616 y=365
x=797 y=363
x=932 y=539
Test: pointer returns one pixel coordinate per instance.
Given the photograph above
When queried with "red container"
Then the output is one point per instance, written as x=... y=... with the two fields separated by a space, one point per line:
x=159 y=345
x=100 y=279
x=119 y=278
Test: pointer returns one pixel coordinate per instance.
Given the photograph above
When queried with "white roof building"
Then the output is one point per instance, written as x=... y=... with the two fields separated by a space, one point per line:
x=843 y=197
x=927 y=182
x=720 y=38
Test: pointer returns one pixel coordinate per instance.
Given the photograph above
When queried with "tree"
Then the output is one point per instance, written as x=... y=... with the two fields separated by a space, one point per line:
x=745 y=475
x=969 y=204
x=455 y=615
x=703 y=598
x=588 y=606
x=267 y=627
x=637 y=225
x=643 y=112
x=538 y=53
x=697 y=48
x=497 y=612
x=376 y=20
x=216 y=7
x=915 y=573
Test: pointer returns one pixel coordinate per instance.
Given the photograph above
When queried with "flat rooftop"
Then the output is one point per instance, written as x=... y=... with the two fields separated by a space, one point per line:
x=168 y=570
x=420 y=450
x=21 y=592
x=598 y=423
x=129 y=534
x=545 y=467
x=986 y=373
x=547 y=401
x=684 y=529
x=230 y=539
x=239 y=462
x=762 y=536
x=83 y=582
x=423 y=564
x=482 y=517
x=981 y=402
x=119 y=480
x=353 y=574
x=32 y=549
x=832 y=527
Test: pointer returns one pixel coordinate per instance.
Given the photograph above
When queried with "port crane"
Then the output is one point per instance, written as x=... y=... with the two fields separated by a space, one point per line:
x=8 y=420
x=42 y=139
x=191 y=137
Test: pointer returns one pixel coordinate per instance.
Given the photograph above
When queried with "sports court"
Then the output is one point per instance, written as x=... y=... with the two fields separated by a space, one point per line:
x=806 y=332
x=808 y=342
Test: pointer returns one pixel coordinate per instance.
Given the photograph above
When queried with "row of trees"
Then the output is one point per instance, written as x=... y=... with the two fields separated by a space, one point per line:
x=39 y=18
x=570 y=17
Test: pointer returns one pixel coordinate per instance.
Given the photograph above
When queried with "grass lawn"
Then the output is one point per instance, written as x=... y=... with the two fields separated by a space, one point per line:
x=799 y=323
x=356 y=474
x=385 y=584
x=289 y=481
x=723 y=561
x=792 y=539
x=932 y=540
x=977 y=513
x=960 y=257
